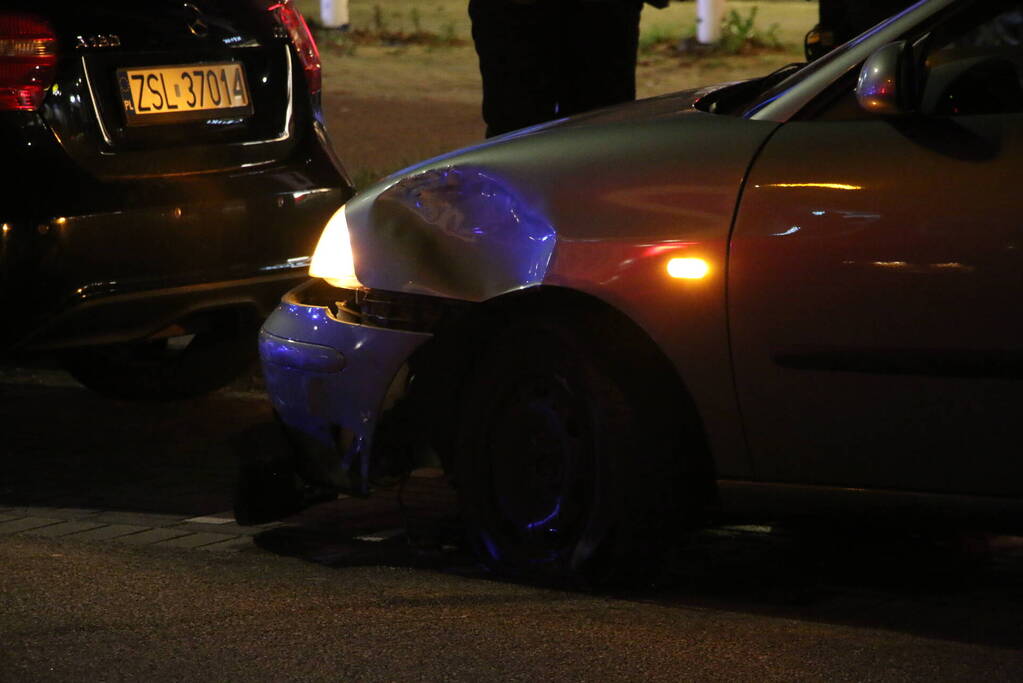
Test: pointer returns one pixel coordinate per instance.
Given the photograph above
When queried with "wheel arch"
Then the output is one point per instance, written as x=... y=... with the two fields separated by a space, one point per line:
x=455 y=349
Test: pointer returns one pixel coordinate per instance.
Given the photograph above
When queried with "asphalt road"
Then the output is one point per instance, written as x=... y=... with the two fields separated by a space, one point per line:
x=119 y=560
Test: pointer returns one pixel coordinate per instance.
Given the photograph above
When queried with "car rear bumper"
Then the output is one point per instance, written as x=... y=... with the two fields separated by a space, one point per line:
x=329 y=381
x=118 y=275
x=128 y=317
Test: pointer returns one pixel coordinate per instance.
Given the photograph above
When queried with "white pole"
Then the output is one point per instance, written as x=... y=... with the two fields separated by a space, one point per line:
x=709 y=14
x=334 y=13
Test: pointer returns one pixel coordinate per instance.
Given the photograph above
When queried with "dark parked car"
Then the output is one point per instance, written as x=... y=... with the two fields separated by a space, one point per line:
x=797 y=293
x=166 y=175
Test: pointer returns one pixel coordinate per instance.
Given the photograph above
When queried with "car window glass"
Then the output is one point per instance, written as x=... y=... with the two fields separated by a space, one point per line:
x=976 y=67
x=971 y=63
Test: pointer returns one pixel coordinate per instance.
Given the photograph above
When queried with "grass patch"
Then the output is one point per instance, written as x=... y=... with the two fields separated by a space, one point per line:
x=450 y=18
x=396 y=28
x=741 y=34
x=414 y=21
x=662 y=37
x=792 y=17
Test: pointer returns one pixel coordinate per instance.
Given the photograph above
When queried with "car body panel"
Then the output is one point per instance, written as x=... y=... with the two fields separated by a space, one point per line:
x=861 y=273
x=875 y=267
x=331 y=413
x=570 y=181
x=561 y=205
x=60 y=254
x=151 y=313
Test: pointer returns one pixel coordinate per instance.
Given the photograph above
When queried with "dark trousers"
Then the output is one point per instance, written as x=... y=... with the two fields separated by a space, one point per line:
x=543 y=59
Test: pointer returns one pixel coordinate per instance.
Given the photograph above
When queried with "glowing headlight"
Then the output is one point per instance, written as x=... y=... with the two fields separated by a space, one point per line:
x=332 y=259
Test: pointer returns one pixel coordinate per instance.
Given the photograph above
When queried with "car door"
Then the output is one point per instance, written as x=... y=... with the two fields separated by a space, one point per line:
x=875 y=280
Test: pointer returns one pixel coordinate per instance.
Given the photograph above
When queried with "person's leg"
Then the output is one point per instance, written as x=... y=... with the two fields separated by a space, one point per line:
x=832 y=14
x=599 y=40
x=515 y=63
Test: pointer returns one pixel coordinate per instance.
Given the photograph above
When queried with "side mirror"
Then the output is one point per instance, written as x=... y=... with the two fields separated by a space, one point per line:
x=818 y=42
x=886 y=86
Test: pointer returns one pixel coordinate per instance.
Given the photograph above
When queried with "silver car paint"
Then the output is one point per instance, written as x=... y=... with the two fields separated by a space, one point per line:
x=575 y=210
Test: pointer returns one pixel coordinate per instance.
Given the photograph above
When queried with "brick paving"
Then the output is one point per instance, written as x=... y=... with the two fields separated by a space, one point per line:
x=146 y=519
x=137 y=473
x=151 y=536
x=232 y=545
x=105 y=533
x=62 y=529
x=361 y=520
x=216 y=531
x=198 y=540
x=25 y=524
x=231 y=528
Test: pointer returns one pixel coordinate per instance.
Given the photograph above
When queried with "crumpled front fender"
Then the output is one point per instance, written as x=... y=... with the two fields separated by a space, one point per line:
x=457 y=232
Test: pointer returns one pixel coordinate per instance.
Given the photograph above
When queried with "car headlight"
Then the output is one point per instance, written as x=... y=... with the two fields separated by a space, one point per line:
x=333 y=260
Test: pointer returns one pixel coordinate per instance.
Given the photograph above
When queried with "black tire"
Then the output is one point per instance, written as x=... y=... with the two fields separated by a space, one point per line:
x=565 y=465
x=167 y=369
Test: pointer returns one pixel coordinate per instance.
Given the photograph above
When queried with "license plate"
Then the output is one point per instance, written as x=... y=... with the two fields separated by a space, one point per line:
x=187 y=92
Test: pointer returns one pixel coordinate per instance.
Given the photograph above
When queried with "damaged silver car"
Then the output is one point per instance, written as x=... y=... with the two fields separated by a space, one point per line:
x=793 y=292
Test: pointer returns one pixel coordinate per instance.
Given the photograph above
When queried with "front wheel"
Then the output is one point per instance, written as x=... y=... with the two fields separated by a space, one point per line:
x=564 y=466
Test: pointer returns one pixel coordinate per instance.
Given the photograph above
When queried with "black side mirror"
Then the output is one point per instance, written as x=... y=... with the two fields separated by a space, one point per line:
x=818 y=42
x=886 y=84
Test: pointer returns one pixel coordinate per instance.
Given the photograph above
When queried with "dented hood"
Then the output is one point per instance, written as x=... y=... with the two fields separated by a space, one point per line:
x=490 y=219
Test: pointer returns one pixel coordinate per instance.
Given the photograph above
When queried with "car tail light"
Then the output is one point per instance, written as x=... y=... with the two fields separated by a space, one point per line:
x=293 y=21
x=28 y=60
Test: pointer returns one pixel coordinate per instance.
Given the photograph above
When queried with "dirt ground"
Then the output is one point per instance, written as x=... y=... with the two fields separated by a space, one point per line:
x=376 y=135
x=390 y=105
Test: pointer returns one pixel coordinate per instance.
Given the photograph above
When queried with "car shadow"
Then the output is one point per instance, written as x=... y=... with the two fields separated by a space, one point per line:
x=955 y=585
x=63 y=446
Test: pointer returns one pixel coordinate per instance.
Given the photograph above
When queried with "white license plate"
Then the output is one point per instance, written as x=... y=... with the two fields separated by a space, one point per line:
x=187 y=92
